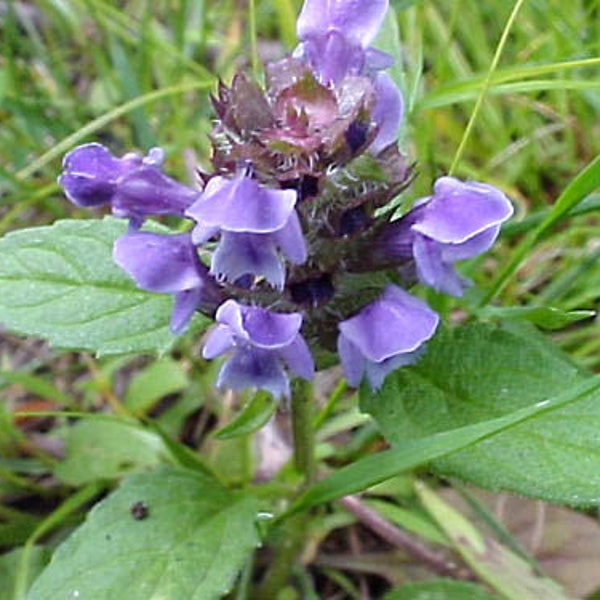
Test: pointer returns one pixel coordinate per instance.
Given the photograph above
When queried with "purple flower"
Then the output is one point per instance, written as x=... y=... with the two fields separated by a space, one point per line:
x=335 y=37
x=256 y=224
x=460 y=221
x=262 y=343
x=135 y=187
x=167 y=264
x=385 y=335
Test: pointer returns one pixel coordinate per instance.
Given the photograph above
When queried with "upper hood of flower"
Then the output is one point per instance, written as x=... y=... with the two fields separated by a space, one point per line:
x=243 y=205
x=459 y=210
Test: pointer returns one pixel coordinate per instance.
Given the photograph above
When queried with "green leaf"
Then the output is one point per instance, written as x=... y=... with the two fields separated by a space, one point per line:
x=107 y=448
x=61 y=283
x=477 y=373
x=156 y=381
x=37 y=385
x=9 y=564
x=440 y=589
x=252 y=417
x=375 y=468
x=190 y=541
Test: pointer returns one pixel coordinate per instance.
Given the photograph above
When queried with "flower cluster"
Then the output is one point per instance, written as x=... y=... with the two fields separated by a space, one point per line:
x=288 y=247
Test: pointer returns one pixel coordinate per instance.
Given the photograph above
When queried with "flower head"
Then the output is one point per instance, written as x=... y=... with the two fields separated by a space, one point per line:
x=386 y=334
x=262 y=343
x=295 y=215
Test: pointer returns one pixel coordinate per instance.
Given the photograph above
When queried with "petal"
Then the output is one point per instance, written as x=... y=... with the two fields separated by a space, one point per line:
x=359 y=20
x=458 y=210
x=252 y=368
x=377 y=372
x=270 y=330
x=155 y=157
x=395 y=323
x=353 y=362
x=396 y=240
x=242 y=205
x=298 y=357
x=474 y=246
x=332 y=57
x=378 y=60
x=147 y=191
x=290 y=240
x=202 y=233
x=87 y=191
x=387 y=113
x=433 y=271
x=160 y=263
x=219 y=341
x=186 y=304
x=241 y=254
x=97 y=161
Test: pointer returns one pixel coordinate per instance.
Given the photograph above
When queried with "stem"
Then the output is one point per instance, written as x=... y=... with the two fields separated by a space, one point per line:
x=303 y=429
x=292 y=536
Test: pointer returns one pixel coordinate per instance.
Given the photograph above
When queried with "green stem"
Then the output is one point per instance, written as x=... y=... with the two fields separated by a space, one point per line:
x=291 y=537
x=303 y=406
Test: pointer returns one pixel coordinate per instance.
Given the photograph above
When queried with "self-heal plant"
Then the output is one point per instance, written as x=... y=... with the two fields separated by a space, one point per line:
x=301 y=247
